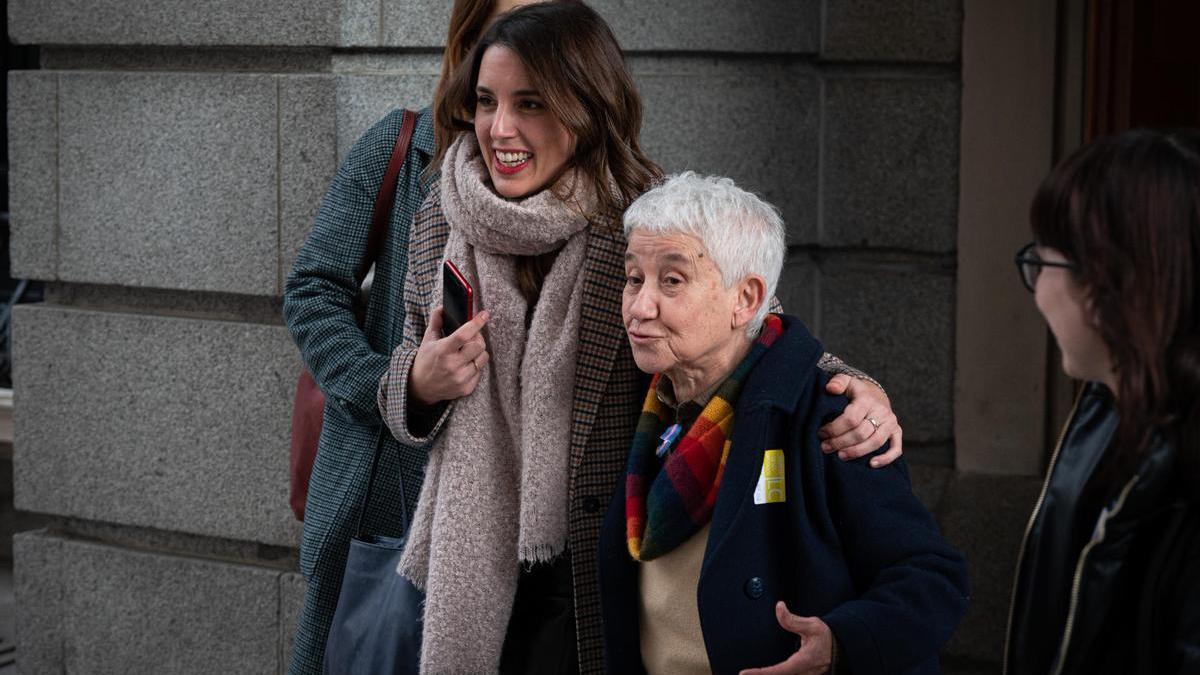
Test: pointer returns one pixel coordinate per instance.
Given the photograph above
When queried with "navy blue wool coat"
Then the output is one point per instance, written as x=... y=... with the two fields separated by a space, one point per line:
x=851 y=544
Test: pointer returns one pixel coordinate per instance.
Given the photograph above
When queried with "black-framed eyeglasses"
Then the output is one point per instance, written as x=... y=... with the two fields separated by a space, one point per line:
x=1029 y=265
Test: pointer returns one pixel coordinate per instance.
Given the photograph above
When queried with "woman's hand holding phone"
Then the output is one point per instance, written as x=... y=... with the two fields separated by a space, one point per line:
x=448 y=367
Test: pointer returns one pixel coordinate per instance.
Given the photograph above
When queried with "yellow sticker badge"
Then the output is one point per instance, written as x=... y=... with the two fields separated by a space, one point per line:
x=770 y=488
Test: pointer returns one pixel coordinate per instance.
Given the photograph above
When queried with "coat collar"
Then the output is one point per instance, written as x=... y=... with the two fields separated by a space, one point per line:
x=600 y=332
x=423 y=133
x=780 y=378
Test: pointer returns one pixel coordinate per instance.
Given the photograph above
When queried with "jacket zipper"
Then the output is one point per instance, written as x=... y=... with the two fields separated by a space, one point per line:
x=1012 y=604
x=1066 y=641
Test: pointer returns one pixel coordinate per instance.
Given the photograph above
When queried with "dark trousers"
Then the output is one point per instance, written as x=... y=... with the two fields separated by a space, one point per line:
x=541 y=633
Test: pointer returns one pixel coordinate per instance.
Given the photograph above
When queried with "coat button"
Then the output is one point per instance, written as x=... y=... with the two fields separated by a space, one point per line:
x=755 y=587
x=591 y=505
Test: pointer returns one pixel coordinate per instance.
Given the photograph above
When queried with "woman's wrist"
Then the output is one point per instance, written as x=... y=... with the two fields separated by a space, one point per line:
x=417 y=395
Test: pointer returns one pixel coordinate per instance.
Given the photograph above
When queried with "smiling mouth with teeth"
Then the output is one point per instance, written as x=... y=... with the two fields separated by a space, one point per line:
x=513 y=159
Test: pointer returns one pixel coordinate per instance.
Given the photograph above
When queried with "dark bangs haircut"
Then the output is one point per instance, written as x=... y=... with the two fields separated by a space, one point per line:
x=1126 y=210
x=576 y=64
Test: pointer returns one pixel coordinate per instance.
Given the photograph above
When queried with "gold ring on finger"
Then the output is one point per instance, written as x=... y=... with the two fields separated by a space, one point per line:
x=873 y=423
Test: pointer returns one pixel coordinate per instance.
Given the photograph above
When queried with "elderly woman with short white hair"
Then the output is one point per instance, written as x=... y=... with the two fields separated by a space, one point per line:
x=734 y=544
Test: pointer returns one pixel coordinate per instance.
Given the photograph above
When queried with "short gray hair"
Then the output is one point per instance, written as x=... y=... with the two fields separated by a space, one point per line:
x=743 y=234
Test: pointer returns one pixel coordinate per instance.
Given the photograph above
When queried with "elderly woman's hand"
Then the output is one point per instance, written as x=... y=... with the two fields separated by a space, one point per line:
x=815 y=654
x=865 y=425
x=449 y=367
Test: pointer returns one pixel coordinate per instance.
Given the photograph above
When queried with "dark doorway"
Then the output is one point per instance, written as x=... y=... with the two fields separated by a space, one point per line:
x=1143 y=65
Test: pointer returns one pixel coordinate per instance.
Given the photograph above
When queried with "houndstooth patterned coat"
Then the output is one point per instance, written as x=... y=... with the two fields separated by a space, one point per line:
x=347 y=362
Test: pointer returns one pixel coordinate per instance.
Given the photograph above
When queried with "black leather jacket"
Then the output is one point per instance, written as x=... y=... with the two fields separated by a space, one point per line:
x=1117 y=593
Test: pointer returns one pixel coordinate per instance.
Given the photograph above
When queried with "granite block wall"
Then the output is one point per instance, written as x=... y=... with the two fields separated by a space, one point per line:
x=216 y=23
x=168 y=159
x=111 y=609
x=159 y=421
x=176 y=180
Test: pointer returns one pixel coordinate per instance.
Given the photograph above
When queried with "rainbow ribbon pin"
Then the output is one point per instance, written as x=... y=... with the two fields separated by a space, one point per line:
x=668 y=439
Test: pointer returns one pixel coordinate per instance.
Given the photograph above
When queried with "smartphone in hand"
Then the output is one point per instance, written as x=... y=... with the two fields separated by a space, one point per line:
x=458 y=299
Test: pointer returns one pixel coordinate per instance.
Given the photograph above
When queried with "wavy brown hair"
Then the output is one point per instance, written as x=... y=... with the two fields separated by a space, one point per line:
x=1126 y=210
x=468 y=19
x=576 y=64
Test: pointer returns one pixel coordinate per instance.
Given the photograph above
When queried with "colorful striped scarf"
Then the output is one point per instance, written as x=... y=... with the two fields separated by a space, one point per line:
x=683 y=490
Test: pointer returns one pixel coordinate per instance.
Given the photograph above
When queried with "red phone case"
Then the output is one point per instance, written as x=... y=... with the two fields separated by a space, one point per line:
x=467 y=299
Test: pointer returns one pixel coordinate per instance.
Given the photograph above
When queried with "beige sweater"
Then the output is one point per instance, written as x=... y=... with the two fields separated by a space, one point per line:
x=672 y=643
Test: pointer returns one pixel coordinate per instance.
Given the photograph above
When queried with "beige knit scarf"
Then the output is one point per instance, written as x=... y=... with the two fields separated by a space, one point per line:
x=495 y=491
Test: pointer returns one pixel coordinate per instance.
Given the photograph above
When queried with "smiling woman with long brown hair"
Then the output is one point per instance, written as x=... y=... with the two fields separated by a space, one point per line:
x=1107 y=580
x=529 y=187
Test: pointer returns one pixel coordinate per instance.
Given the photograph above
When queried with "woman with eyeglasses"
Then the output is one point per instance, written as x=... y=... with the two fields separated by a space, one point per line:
x=1107 y=577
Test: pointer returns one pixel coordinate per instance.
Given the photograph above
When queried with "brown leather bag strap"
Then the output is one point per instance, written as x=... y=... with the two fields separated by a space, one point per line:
x=381 y=214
